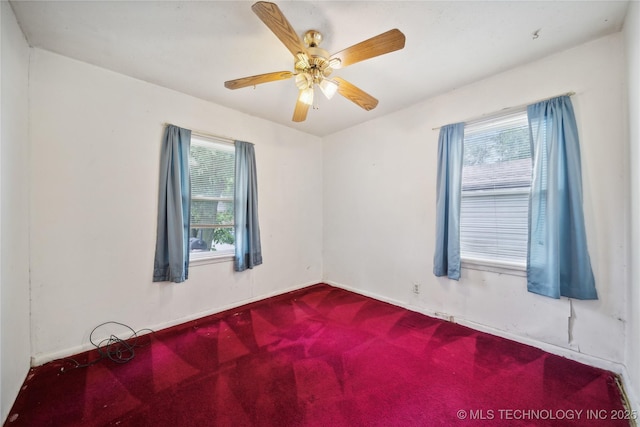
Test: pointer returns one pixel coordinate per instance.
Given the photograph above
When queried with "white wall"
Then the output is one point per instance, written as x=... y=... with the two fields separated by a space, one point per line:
x=14 y=209
x=379 y=206
x=632 y=39
x=93 y=165
x=94 y=169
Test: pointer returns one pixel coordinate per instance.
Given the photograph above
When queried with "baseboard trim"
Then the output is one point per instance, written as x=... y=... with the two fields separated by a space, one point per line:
x=42 y=358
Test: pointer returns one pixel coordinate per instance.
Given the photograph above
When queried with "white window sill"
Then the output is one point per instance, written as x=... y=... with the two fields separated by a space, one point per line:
x=501 y=267
x=207 y=258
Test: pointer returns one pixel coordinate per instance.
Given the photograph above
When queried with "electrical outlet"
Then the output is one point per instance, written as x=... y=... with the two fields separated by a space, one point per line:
x=416 y=288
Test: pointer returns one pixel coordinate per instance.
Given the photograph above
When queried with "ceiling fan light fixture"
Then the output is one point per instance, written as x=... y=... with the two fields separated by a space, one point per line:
x=304 y=81
x=306 y=96
x=335 y=63
x=328 y=87
x=313 y=65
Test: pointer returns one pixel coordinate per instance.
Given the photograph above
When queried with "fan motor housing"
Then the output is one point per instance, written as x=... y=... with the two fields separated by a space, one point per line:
x=315 y=62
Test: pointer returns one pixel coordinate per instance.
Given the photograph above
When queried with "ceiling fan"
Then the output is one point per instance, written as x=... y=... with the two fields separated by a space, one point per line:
x=313 y=65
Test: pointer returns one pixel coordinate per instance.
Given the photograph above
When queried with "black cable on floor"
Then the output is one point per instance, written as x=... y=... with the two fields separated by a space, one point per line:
x=113 y=348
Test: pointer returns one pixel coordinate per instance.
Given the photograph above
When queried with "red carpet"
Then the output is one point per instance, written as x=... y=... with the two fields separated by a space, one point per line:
x=322 y=356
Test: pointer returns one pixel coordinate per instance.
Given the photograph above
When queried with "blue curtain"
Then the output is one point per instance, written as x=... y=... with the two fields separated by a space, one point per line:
x=558 y=262
x=247 y=231
x=446 y=261
x=174 y=207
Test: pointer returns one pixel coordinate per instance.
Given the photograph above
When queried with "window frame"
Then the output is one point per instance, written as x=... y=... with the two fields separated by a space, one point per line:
x=211 y=257
x=486 y=264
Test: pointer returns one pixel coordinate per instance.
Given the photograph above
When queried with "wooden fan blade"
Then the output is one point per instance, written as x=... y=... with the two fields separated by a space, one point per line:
x=259 y=79
x=300 y=113
x=271 y=15
x=383 y=43
x=355 y=94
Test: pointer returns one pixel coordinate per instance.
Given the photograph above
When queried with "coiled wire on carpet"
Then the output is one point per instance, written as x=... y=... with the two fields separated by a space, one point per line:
x=113 y=348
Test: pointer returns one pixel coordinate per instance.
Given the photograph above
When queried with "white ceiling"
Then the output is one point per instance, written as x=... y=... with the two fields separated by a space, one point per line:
x=194 y=46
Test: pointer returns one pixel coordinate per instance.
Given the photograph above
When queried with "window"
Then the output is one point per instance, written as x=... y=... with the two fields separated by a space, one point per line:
x=496 y=178
x=211 y=166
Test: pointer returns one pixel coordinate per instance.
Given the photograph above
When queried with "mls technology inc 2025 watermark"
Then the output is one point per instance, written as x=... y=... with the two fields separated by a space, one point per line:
x=546 y=414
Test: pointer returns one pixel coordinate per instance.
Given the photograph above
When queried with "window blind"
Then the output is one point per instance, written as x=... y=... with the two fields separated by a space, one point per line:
x=212 y=172
x=496 y=177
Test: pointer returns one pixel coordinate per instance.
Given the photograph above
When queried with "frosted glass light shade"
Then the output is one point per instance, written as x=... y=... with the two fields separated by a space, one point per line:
x=306 y=96
x=328 y=88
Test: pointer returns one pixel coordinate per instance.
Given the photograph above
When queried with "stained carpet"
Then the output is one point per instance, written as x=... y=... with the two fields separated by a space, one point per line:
x=322 y=356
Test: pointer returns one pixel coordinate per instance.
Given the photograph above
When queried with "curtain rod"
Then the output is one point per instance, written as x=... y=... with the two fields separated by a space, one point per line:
x=225 y=139
x=507 y=109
